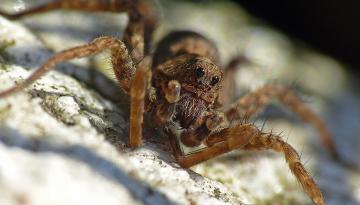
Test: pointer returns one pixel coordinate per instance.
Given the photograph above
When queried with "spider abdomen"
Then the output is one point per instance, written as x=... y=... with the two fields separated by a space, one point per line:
x=184 y=42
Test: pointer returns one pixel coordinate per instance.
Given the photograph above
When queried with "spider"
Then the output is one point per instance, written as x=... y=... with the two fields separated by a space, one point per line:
x=182 y=87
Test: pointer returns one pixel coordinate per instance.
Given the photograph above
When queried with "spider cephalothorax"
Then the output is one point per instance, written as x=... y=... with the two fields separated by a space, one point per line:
x=187 y=87
x=183 y=89
x=196 y=74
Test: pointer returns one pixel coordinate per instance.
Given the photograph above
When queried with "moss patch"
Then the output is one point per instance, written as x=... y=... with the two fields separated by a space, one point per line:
x=4 y=55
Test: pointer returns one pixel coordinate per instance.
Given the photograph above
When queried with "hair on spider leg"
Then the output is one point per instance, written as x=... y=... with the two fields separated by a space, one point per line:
x=256 y=119
x=280 y=134
x=301 y=151
x=246 y=117
x=263 y=124
x=140 y=60
x=254 y=123
x=308 y=160
x=315 y=175
x=241 y=121
x=271 y=133
x=108 y=61
x=152 y=50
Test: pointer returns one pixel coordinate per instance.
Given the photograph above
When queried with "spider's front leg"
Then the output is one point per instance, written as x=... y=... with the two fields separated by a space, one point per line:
x=121 y=61
x=248 y=137
x=263 y=141
x=217 y=143
x=138 y=79
x=139 y=87
x=142 y=21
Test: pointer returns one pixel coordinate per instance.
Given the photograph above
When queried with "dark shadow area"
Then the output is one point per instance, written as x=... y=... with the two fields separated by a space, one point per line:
x=102 y=166
x=331 y=26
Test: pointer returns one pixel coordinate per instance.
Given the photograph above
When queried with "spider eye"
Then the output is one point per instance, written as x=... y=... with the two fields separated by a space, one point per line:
x=214 y=80
x=199 y=72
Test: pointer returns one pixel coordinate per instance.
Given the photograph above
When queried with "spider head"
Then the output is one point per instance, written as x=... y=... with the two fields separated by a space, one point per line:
x=201 y=75
x=197 y=75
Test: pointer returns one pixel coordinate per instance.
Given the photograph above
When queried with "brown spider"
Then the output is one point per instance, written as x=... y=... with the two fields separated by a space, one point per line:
x=182 y=90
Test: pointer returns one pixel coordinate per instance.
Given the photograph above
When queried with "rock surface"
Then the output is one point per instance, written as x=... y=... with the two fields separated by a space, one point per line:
x=63 y=141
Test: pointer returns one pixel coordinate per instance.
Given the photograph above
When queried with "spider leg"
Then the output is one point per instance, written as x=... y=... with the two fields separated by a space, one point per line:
x=208 y=123
x=121 y=62
x=253 y=102
x=165 y=111
x=142 y=19
x=39 y=9
x=137 y=35
x=264 y=141
x=139 y=86
x=217 y=143
x=248 y=137
x=228 y=82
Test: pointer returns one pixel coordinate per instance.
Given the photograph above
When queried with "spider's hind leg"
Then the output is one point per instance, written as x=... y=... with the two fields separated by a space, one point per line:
x=254 y=101
x=228 y=83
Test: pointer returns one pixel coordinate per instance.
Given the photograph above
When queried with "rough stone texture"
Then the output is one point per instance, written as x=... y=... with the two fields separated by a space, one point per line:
x=63 y=141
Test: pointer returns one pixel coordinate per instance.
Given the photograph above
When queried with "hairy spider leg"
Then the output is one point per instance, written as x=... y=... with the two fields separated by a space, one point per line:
x=248 y=137
x=228 y=82
x=138 y=33
x=139 y=87
x=268 y=141
x=142 y=21
x=254 y=101
x=121 y=61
